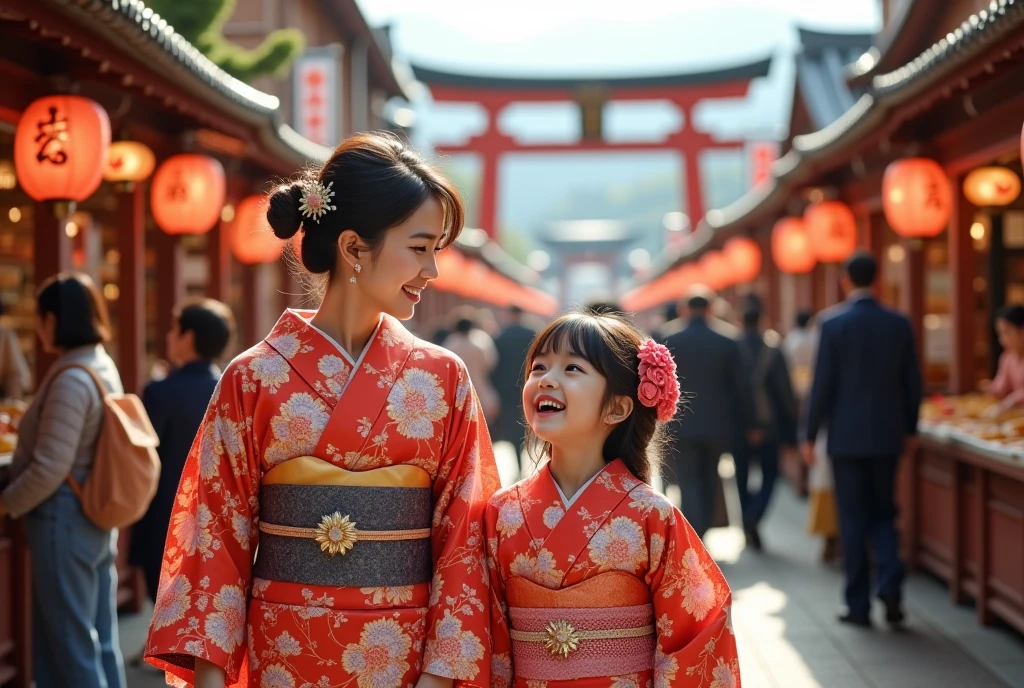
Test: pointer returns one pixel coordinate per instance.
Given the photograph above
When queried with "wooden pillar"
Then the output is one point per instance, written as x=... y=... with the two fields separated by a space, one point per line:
x=693 y=191
x=256 y=323
x=962 y=270
x=218 y=253
x=912 y=291
x=51 y=254
x=833 y=294
x=488 y=213
x=773 y=290
x=131 y=245
x=170 y=285
x=996 y=284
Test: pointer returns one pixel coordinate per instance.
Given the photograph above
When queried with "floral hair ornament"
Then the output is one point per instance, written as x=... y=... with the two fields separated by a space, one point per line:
x=659 y=387
x=316 y=199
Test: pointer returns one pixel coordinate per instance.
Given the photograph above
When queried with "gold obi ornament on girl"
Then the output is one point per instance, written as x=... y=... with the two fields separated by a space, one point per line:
x=603 y=626
x=324 y=525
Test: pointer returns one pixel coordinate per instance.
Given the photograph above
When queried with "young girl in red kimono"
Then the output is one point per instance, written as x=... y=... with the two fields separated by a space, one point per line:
x=602 y=581
x=327 y=530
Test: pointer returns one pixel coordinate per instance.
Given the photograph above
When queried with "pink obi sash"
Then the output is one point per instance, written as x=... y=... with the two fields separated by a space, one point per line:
x=603 y=626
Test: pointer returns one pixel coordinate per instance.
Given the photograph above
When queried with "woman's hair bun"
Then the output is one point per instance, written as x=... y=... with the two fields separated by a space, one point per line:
x=283 y=210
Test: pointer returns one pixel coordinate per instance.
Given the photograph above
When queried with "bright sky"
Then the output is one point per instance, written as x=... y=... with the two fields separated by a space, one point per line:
x=606 y=36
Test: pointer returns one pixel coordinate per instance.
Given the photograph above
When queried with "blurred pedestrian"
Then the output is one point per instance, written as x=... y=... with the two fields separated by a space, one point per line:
x=176 y=405
x=476 y=348
x=801 y=347
x=867 y=390
x=774 y=417
x=15 y=377
x=712 y=373
x=74 y=581
x=512 y=345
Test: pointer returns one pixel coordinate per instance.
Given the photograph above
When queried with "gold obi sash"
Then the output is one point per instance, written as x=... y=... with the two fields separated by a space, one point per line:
x=325 y=525
x=603 y=626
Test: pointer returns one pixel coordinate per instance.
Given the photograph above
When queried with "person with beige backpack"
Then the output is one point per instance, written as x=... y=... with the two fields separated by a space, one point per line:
x=85 y=465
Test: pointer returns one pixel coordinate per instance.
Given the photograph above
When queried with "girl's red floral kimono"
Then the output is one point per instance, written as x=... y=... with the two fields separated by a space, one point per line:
x=327 y=530
x=615 y=591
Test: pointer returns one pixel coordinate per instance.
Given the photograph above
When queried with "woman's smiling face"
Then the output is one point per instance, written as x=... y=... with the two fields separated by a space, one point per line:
x=405 y=263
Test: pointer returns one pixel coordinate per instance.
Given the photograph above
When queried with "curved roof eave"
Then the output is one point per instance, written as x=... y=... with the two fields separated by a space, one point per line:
x=131 y=23
x=751 y=70
x=888 y=91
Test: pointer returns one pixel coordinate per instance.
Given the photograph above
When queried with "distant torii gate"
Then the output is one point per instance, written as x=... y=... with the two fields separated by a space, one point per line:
x=590 y=94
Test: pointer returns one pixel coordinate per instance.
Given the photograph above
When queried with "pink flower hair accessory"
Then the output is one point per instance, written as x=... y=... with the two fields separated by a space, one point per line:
x=659 y=387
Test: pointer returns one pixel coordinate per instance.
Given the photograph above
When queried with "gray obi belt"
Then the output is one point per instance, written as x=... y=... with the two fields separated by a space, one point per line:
x=323 y=525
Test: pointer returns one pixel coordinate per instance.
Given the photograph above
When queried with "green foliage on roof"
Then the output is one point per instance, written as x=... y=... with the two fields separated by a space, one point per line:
x=201 y=23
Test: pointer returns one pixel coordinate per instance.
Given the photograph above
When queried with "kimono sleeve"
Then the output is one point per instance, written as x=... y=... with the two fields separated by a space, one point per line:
x=205 y=579
x=458 y=618
x=692 y=607
x=501 y=637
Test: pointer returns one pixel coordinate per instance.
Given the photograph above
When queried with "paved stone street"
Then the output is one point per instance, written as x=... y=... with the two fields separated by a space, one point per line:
x=785 y=618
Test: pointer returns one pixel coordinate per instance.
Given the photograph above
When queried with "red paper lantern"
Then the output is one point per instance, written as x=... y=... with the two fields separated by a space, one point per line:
x=991 y=186
x=916 y=197
x=128 y=161
x=716 y=271
x=252 y=239
x=60 y=147
x=188 y=194
x=832 y=231
x=744 y=255
x=791 y=247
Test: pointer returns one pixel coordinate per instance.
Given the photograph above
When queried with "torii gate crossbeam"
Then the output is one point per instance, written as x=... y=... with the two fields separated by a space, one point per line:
x=494 y=94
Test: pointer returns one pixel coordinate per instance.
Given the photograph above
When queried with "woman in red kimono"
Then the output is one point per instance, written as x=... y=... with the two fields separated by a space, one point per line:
x=603 y=582
x=327 y=530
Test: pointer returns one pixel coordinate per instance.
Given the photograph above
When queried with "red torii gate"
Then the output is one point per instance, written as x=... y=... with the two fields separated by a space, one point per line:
x=496 y=93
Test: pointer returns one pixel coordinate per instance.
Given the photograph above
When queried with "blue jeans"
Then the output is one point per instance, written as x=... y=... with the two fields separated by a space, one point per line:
x=74 y=597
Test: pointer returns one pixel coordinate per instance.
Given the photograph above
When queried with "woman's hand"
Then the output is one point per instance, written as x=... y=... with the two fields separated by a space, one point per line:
x=209 y=675
x=427 y=681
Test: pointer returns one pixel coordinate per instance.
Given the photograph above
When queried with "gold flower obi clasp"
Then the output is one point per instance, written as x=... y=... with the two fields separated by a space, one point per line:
x=562 y=638
x=338 y=534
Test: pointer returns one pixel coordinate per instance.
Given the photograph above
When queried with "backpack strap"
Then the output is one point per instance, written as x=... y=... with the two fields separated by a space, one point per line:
x=75 y=486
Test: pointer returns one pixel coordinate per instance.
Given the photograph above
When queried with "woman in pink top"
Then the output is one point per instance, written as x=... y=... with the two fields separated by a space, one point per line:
x=1009 y=382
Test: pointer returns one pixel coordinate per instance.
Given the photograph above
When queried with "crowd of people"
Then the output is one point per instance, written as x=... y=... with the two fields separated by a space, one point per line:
x=345 y=406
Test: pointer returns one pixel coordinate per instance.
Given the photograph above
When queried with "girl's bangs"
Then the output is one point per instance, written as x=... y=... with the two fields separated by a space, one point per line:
x=578 y=335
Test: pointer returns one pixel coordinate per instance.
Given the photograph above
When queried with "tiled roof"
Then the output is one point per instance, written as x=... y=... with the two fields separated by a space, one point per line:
x=130 y=22
x=438 y=77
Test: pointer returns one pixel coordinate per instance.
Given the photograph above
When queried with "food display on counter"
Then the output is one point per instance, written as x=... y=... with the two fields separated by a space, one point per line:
x=975 y=419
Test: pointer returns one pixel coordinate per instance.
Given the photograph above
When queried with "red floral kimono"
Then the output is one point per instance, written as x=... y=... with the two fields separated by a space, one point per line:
x=404 y=411
x=615 y=592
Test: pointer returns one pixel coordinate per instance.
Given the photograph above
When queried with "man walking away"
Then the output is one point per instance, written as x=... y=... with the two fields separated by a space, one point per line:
x=711 y=371
x=774 y=416
x=867 y=390
x=176 y=405
x=512 y=344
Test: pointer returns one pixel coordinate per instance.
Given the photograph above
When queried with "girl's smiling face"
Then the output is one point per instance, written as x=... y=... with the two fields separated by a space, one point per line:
x=564 y=397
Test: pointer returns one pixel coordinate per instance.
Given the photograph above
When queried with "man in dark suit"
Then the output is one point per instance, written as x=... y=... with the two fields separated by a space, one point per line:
x=176 y=405
x=774 y=415
x=512 y=344
x=711 y=372
x=867 y=390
